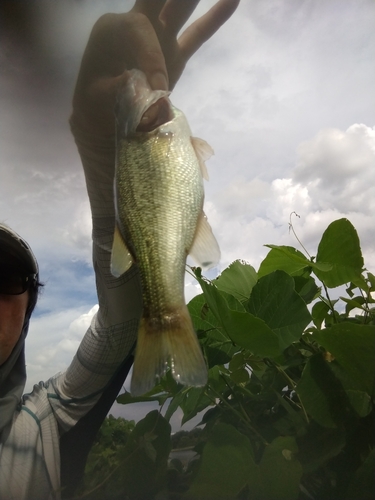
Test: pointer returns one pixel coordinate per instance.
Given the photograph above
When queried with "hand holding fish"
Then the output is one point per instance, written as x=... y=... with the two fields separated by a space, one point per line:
x=133 y=60
x=144 y=38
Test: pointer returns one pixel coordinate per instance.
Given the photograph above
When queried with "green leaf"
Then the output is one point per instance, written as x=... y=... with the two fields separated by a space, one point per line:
x=243 y=328
x=340 y=247
x=306 y=288
x=359 y=399
x=276 y=302
x=217 y=346
x=154 y=428
x=127 y=398
x=201 y=314
x=371 y=279
x=145 y=456
x=221 y=341
x=280 y=470
x=216 y=356
x=252 y=333
x=321 y=393
x=296 y=417
x=361 y=283
x=283 y=258
x=353 y=347
x=233 y=303
x=146 y=443
x=238 y=361
x=354 y=303
x=204 y=320
x=227 y=464
x=362 y=485
x=174 y=404
x=194 y=401
x=318 y=445
x=319 y=313
x=238 y=279
x=240 y=376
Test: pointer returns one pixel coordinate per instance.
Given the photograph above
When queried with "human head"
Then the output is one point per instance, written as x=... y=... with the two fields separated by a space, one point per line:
x=15 y=252
x=18 y=289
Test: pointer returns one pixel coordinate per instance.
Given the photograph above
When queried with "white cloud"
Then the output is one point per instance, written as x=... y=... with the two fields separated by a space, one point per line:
x=247 y=214
x=76 y=233
x=336 y=155
x=82 y=323
x=52 y=341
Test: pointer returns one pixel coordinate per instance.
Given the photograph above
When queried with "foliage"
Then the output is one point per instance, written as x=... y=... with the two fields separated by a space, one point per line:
x=138 y=465
x=186 y=439
x=289 y=401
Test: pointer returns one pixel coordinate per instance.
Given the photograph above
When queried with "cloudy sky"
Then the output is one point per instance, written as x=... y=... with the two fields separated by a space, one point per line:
x=284 y=95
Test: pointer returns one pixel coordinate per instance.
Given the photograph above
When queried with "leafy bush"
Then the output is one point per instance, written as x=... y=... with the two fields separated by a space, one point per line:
x=186 y=439
x=105 y=455
x=289 y=401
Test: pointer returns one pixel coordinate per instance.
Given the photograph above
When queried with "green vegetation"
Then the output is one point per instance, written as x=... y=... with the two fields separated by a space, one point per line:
x=186 y=439
x=288 y=406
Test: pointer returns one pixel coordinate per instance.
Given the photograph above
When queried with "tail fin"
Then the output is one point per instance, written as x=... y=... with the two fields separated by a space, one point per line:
x=167 y=340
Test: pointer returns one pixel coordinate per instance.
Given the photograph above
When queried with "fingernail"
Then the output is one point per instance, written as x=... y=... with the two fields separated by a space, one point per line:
x=159 y=82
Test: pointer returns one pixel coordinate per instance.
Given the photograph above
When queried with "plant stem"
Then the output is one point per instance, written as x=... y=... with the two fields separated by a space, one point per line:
x=246 y=420
x=295 y=234
x=294 y=385
x=328 y=302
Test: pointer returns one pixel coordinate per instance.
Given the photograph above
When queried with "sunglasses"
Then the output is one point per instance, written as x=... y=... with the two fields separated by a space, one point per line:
x=14 y=283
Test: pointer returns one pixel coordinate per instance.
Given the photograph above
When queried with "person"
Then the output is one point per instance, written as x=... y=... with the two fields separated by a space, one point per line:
x=33 y=426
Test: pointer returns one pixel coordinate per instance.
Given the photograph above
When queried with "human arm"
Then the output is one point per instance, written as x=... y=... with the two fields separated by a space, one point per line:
x=145 y=38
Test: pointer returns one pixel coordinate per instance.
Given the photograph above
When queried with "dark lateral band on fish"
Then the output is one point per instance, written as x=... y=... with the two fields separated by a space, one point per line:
x=159 y=221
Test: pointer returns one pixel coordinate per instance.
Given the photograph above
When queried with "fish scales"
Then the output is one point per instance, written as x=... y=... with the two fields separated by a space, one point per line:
x=158 y=213
x=159 y=221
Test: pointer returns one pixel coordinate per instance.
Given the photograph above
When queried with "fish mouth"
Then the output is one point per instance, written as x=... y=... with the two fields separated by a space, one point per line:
x=156 y=115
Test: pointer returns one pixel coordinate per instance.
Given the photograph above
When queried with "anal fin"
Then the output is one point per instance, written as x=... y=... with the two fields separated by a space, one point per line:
x=205 y=249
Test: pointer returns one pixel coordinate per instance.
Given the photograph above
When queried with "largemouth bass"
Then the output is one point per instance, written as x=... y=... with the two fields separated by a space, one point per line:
x=159 y=221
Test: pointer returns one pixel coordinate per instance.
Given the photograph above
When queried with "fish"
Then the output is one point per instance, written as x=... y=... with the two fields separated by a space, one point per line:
x=159 y=197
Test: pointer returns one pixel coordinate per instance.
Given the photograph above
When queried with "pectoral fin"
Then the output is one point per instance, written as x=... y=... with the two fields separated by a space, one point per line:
x=203 y=151
x=205 y=249
x=121 y=259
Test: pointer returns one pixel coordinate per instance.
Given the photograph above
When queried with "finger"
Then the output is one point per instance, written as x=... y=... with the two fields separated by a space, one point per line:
x=202 y=29
x=175 y=14
x=150 y=8
x=120 y=42
x=146 y=52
